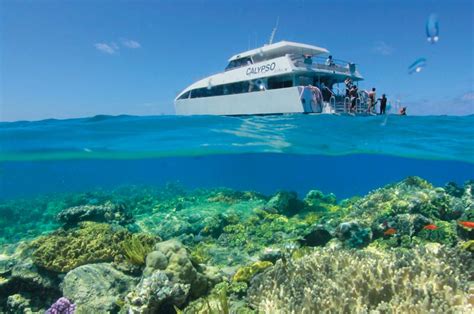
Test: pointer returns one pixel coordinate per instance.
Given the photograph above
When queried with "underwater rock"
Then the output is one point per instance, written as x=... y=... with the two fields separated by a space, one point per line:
x=97 y=288
x=17 y=303
x=108 y=212
x=170 y=277
x=26 y=276
x=317 y=236
x=284 y=203
x=156 y=260
x=421 y=280
x=353 y=234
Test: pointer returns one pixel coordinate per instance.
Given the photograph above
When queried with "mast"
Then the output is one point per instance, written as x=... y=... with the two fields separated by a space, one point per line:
x=272 y=36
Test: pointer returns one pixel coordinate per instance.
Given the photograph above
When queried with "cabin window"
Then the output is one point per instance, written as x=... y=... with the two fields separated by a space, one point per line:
x=239 y=63
x=280 y=82
x=185 y=95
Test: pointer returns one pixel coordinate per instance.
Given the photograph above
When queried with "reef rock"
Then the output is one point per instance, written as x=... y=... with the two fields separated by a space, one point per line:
x=16 y=303
x=353 y=234
x=169 y=278
x=108 y=212
x=96 y=288
x=284 y=203
x=315 y=198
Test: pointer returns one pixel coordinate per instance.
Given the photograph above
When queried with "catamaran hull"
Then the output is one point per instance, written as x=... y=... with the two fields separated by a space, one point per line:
x=276 y=101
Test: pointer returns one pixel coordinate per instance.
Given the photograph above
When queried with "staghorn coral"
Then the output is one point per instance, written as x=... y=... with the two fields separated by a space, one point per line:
x=423 y=279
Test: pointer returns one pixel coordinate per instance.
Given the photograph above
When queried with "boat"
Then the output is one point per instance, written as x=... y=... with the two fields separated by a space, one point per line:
x=279 y=78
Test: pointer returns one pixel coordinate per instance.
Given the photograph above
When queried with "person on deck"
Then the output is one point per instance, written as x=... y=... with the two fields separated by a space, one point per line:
x=383 y=104
x=348 y=83
x=371 y=101
x=403 y=111
x=330 y=61
x=354 y=95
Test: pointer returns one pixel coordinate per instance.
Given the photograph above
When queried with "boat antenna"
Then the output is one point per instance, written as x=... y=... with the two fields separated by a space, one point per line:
x=272 y=36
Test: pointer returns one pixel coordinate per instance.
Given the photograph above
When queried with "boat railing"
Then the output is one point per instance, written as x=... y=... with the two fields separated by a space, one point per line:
x=319 y=63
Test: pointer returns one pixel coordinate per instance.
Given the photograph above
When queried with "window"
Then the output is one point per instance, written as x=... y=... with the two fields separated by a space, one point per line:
x=280 y=82
x=185 y=95
x=239 y=63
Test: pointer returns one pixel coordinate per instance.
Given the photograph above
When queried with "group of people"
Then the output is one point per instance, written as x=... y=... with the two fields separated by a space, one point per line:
x=352 y=93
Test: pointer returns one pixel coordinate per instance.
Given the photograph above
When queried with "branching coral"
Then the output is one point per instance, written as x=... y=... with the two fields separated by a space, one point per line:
x=420 y=280
x=136 y=247
x=90 y=243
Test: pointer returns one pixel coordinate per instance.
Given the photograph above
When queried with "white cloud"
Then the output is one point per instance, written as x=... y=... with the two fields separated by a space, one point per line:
x=457 y=106
x=129 y=43
x=110 y=48
x=382 y=48
x=468 y=97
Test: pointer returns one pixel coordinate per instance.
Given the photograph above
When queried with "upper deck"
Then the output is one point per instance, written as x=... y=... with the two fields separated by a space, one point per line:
x=279 y=49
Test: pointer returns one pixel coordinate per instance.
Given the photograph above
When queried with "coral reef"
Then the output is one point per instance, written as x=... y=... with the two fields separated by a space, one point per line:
x=421 y=280
x=405 y=247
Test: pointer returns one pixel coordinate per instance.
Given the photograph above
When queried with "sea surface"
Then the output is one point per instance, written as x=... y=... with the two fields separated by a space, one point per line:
x=343 y=155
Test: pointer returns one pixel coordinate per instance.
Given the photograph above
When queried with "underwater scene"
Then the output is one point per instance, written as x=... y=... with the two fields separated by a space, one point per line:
x=258 y=214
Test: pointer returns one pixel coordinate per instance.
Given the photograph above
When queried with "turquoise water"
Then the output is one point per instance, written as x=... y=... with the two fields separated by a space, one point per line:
x=83 y=202
x=343 y=155
x=432 y=137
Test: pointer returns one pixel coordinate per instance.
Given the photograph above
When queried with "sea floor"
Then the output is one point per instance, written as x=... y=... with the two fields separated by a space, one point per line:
x=402 y=247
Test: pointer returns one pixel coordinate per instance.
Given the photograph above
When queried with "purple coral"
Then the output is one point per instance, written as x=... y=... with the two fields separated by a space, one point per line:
x=62 y=306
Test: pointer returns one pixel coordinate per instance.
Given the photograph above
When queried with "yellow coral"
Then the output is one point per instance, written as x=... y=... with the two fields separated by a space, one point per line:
x=89 y=243
x=248 y=272
x=136 y=248
x=468 y=245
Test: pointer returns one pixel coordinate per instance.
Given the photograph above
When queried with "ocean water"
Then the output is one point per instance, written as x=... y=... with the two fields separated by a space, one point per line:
x=171 y=174
x=343 y=155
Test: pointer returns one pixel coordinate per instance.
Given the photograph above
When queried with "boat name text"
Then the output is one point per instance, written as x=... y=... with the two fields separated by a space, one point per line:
x=261 y=69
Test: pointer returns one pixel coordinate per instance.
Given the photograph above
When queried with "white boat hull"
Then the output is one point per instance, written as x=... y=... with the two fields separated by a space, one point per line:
x=276 y=101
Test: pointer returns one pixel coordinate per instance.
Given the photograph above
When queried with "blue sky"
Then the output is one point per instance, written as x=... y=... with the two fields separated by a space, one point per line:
x=66 y=59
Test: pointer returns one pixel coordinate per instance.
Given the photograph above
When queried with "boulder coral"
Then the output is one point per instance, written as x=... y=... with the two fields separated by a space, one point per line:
x=424 y=279
x=170 y=278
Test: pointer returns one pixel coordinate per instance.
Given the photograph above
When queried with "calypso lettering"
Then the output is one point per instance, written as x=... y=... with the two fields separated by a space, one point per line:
x=261 y=69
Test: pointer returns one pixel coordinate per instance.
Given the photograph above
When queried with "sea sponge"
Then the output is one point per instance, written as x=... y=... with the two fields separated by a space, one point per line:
x=430 y=278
